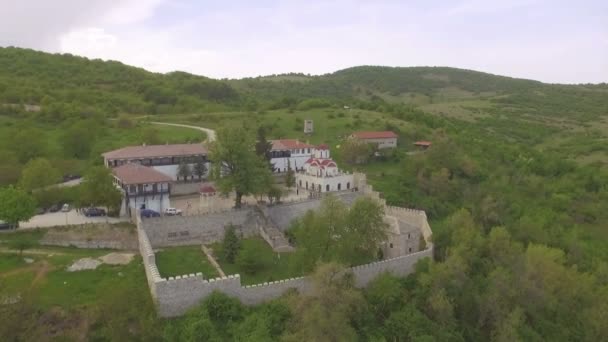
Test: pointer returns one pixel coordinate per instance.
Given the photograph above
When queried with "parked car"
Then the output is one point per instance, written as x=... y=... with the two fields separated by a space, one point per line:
x=5 y=225
x=65 y=208
x=172 y=211
x=54 y=208
x=149 y=213
x=40 y=211
x=92 y=211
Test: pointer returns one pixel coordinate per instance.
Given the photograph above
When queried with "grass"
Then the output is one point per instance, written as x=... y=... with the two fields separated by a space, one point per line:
x=274 y=266
x=108 y=303
x=177 y=261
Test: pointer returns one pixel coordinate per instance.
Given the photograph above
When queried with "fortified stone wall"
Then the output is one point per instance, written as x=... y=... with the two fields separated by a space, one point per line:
x=174 y=296
x=197 y=229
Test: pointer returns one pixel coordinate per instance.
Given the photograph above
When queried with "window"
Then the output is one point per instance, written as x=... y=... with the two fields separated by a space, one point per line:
x=410 y=249
x=347 y=185
x=408 y=235
x=327 y=187
x=171 y=235
x=390 y=245
x=339 y=186
x=132 y=189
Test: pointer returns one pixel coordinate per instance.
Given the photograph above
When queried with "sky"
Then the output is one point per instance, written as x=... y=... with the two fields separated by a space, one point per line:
x=548 y=40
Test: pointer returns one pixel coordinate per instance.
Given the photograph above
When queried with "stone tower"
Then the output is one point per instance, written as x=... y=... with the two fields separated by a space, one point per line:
x=308 y=128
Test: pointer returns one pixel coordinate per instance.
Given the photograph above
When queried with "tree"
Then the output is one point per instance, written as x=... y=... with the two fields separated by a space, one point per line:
x=78 y=140
x=236 y=167
x=355 y=151
x=150 y=136
x=200 y=169
x=231 y=244
x=98 y=189
x=29 y=143
x=290 y=178
x=274 y=194
x=184 y=171
x=16 y=205
x=263 y=147
x=327 y=313
x=37 y=174
x=249 y=259
x=21 y=243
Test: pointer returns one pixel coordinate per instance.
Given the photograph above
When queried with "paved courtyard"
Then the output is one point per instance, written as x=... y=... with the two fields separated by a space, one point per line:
x=69 y=218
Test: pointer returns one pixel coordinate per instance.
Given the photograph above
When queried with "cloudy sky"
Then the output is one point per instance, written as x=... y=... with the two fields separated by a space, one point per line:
x=548 y=40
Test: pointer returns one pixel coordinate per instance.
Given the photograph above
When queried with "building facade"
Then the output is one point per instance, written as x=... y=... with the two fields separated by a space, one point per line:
x=321 y=174
x=143 y=187
x=383 y=139
x=403 y=238
x=163 y=158
x=290 y=152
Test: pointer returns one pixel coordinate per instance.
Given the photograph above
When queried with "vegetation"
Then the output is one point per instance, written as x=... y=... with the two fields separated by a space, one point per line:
x=98 y=189
x=236 y=166
x=16 y=205
x=515 y=186
x=230 y=245
x=177 y=261
x=339 y=234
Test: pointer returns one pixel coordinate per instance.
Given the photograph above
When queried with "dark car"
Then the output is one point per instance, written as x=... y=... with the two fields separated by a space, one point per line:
x=149 y=213
x=54 y=208
x=90 y=212
x=5 y=225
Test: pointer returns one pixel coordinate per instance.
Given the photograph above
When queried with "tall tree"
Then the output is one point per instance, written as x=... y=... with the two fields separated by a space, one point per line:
x=16 y=205
x=200 y=169
x=29 y=143
x=236 y=167
x=38 y=173
x=230 y=244
x=263 y=147
x=290 y=177
x=98 y=189
x=184 y=171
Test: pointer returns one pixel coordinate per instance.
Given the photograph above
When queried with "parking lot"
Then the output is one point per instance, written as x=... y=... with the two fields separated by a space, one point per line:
x=65 y=218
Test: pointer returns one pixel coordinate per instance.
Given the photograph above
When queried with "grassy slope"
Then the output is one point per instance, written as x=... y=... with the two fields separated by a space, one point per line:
x=177 y=261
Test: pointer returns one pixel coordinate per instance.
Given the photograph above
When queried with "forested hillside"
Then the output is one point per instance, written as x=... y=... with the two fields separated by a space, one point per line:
x=72 y=84
x=515 y=186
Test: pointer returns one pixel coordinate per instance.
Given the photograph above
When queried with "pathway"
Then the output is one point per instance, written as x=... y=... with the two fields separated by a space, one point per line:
x=209 y=131
x=212 y=261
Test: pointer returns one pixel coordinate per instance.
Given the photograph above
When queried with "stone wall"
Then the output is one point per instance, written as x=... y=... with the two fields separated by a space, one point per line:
x=197 y=229
x=174 y=296
x=93 y=235
x=283 y=214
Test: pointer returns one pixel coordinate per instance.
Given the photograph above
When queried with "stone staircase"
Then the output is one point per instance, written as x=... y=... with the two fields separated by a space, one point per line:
x=271 y=234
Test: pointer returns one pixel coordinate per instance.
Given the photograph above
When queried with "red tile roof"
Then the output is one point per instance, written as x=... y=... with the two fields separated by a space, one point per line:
x=150 y=151
x=133 y=173
x=423 y=143
x=322 y=162
x=207 y=188
x=323 y=147
x=288 y=144
x=375 y=135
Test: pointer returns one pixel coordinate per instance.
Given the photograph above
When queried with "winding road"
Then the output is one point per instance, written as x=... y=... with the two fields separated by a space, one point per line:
x=210 y=133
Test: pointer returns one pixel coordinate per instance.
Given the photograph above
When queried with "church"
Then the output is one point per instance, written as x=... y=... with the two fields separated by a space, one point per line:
x=321 y=174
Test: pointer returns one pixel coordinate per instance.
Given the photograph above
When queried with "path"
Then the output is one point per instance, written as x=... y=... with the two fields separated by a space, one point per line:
x=212 y=261
x=209 y=131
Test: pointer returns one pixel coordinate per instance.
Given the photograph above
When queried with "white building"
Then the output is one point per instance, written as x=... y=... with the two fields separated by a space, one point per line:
x=291 y=151
x=143 y=188
x=308 y=127
x=321 y=174
x=383 y=139
x=163 y=158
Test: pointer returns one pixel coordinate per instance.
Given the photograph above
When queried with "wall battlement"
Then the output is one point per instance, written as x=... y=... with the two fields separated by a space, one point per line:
x=174 y=296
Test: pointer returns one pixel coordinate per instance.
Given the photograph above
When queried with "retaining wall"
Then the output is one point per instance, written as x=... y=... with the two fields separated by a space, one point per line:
x=174 y=296
x=197 y=229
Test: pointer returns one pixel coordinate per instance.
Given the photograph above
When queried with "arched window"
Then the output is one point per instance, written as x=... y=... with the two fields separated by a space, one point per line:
x=347 y=185
x=327 y=187
x=339 y=186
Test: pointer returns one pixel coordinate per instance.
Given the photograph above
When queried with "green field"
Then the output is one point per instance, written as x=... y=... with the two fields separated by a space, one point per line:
x=109 y=303
x=177 y=261
x=273 y=266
